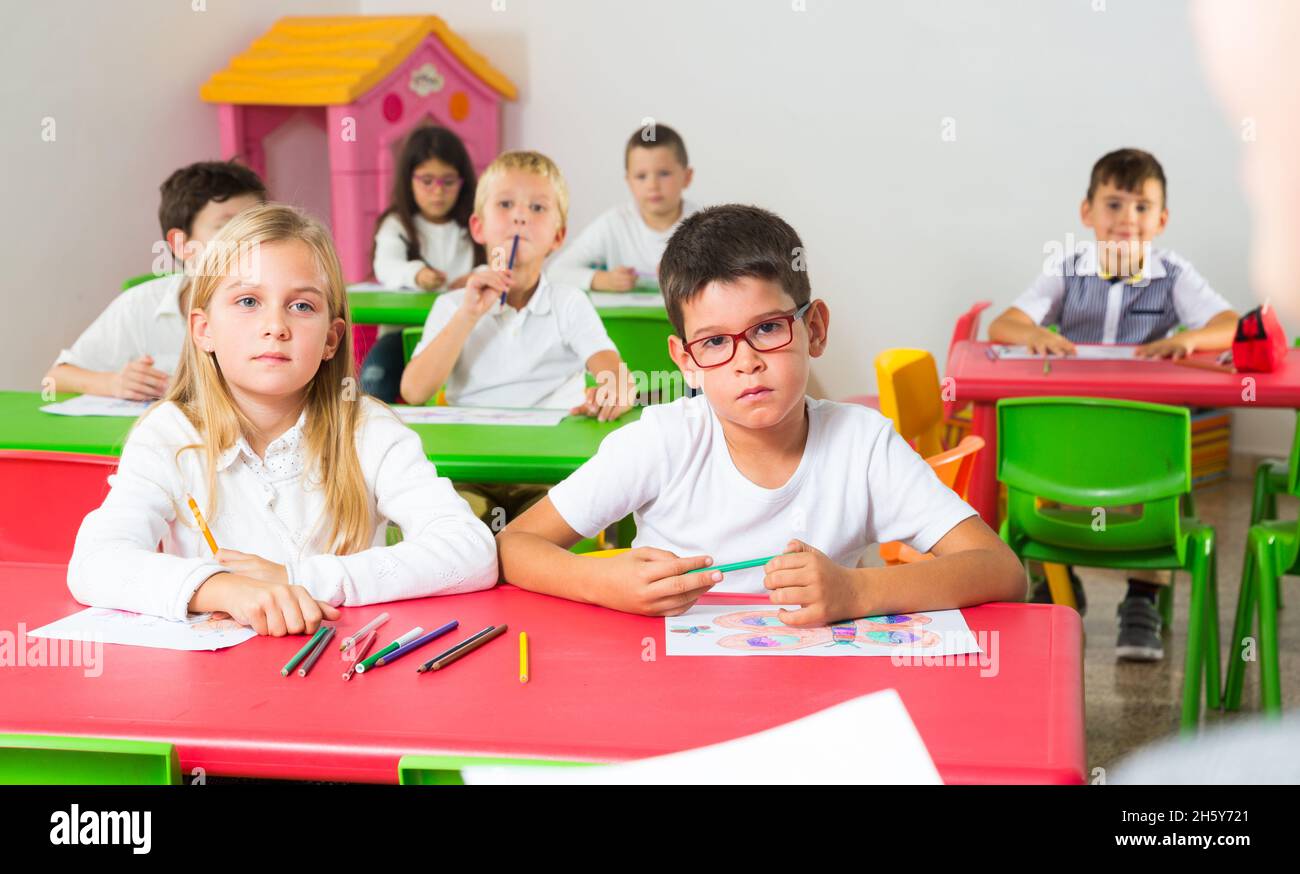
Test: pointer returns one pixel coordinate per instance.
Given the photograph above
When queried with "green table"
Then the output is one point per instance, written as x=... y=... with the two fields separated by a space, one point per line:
x=466 y=453
x=390 y=307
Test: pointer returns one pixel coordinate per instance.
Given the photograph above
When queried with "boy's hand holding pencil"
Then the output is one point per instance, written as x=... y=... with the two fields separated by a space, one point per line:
x=652 y=582
x=483 y=290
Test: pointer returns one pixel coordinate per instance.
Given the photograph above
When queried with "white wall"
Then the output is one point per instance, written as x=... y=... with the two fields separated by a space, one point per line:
x=121 y=81
x=831 y=116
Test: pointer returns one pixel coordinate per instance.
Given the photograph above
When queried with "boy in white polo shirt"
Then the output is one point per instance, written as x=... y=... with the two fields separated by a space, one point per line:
x=1121 y=290
x=624 y=245
x=511 y=337
x=131 y=350
x=754 y=467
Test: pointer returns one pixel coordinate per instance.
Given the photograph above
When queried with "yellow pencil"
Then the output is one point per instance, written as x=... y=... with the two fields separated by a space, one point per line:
x=523 y=656
x=203 y=526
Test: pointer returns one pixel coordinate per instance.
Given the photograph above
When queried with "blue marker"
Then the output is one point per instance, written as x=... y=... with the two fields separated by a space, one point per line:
x=514 y=247
x=417 y=643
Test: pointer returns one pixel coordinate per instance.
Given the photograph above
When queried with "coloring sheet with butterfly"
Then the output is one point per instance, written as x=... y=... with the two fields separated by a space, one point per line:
x=756 y=629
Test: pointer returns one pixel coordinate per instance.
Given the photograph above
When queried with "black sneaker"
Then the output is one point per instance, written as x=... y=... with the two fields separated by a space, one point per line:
x=1041 y=593
x=1139 y=631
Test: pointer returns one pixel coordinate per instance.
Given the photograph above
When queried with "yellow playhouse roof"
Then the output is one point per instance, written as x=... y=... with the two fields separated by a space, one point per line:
x=331 y=60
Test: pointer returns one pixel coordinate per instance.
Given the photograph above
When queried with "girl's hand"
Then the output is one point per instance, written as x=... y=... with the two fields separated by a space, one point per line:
x=253 y=566
x=483 y=289
x=138 y=380
x=274 y=609
x=430 y=279
x=618 y=279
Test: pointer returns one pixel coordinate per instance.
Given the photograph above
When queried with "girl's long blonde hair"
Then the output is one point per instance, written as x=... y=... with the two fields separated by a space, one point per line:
x=333 y=399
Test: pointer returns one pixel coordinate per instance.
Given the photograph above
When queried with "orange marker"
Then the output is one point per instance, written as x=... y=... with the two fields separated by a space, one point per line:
x=203 y=526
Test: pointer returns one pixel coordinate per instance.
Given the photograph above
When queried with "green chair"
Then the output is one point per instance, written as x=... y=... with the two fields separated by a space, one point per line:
x=1271 y=479
x=1063 y=459
x=445 y=770
x=136 y=280
x=52 y=760
x=1272 y=550
x=410 y=339
x=641 y=337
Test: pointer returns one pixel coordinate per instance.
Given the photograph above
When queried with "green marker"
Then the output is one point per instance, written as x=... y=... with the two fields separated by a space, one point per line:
x=302 y=653
x=740 y=565
x=401 y=641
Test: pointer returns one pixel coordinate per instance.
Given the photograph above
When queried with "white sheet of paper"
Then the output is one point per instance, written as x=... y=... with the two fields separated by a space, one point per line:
x=603 y=300
x=755 y=629
x=478 y=416
x=96 y=405
x=866 y=740
x=199 y=632
x=375 y=286
x=1086 y=352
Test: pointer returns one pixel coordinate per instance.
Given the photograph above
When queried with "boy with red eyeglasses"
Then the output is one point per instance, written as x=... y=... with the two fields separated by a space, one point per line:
x=752 y=466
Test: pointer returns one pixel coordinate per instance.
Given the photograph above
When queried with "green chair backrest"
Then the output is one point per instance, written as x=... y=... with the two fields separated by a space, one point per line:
x=54 y=760
x=136 y=280
x=410 y=339
x=1091 y=453
x=642 y=342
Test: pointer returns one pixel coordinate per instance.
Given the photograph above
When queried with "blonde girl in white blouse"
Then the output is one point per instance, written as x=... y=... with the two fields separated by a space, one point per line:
x=296 y=471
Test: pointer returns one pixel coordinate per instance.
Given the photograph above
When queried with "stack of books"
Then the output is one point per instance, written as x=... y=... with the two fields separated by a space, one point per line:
x=1211 y=442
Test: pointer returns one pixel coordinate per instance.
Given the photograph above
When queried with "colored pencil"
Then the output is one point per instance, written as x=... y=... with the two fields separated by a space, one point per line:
x=203 y=525
x=400 y=642
x=469 y=647
x=302 y=653
x=315 y=653
x=514 y=247
x=1203 y=365
x=523 y=656
x=416 y=644
x=361 y=649
x=364 y=630
x=735 y=566
x=451 y=649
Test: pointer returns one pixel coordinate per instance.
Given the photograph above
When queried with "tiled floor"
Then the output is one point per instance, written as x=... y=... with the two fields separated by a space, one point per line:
x=1128 y=704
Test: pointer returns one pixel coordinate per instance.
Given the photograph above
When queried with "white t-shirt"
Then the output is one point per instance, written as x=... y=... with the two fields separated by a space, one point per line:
x=858 y=483
x=618 y=238
x=273 y=507
x=446 y=247
x=533 y=357
x=143 y=320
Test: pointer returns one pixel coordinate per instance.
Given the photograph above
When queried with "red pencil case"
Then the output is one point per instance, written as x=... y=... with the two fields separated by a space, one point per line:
x=1260 y=344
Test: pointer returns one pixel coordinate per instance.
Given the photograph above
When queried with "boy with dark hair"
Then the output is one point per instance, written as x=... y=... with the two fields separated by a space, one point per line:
x=621 y=249
x=133 y=347
x=752 y=466
x=1119 y=289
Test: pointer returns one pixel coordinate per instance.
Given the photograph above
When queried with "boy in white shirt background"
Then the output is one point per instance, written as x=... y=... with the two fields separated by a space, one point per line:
x=133 y=347
x=754 y=467
x=625 y=243
x=1121 y=290
x=511 y=337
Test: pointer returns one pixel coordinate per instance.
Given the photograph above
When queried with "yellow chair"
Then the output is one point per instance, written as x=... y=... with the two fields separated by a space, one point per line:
x=908 y=383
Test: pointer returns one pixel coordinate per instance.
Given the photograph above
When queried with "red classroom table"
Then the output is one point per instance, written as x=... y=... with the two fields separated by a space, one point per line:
x=978 y=379
x=591 y=697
